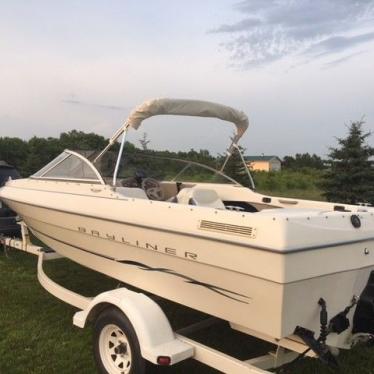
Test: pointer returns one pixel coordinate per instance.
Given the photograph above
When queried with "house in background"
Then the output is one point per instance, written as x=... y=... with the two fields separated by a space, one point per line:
x=263 y=163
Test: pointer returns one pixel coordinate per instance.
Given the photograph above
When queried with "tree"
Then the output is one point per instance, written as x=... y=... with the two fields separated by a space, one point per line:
x=144 y=141
x=78 y=140
x=235 y=168
x=350 y=178
x=14 y=151
x=40 y=152
x=302 y=160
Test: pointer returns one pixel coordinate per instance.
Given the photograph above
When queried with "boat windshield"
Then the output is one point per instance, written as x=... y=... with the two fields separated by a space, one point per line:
x=163 y=168
x=70 y=166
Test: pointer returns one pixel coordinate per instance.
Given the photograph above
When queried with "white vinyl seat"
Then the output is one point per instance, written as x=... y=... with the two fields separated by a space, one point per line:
x=200 y=197
x=134 y=192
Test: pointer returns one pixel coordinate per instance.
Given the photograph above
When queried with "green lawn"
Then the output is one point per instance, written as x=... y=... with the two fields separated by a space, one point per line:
x=37 y=335
x=309 y=194
x=302 y=184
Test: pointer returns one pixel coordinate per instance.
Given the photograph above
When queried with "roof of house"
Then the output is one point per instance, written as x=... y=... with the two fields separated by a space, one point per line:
x=261 y=158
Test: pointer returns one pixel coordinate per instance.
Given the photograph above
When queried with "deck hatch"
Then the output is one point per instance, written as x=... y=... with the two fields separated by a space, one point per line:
x=227 y=228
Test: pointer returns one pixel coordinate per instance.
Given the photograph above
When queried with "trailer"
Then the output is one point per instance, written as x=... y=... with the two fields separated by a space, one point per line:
x=132 y=334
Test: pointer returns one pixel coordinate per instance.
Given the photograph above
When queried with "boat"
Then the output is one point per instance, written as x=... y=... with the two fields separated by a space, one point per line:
x=273 y=267
x=8 y=218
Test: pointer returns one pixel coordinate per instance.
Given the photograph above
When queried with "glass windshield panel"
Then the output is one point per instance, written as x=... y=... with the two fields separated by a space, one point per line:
x=55 y=161
x=72 y=167
x=162 y=168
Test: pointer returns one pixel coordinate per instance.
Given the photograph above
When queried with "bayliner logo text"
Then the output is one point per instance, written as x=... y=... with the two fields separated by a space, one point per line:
x=136 y=243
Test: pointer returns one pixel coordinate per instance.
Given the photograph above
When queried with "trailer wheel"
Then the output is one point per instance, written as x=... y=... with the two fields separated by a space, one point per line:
x=116 y=346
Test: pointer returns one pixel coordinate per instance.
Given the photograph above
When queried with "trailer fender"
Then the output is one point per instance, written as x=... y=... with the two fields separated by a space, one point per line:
x=155 y=335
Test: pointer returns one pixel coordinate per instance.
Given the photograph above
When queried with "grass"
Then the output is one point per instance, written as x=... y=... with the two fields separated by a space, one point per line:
x=36 y=331
x=308 y=194
x=37 y=335
x=302 y=184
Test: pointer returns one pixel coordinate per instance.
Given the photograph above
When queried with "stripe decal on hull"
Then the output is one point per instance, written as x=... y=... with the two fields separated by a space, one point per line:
x=221 y=291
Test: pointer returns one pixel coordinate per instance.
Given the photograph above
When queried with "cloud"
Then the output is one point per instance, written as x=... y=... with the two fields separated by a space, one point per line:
x=273 y=29
x=336 y=44
x=341 y=60
x=242 y=25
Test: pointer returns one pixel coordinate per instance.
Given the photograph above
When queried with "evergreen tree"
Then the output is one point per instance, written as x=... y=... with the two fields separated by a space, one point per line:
x=235 y=167
x=144 y=141
x=350 y=178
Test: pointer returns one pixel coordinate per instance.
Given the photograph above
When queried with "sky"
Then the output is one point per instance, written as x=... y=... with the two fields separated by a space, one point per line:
x=300 y=69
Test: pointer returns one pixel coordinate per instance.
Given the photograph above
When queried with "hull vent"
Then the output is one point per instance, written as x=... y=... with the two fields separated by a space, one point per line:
x=226 y=228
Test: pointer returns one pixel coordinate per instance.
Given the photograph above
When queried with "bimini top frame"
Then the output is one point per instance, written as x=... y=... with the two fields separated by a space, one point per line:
x=180 y=107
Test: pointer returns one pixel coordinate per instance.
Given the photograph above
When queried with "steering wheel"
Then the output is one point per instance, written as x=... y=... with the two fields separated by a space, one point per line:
x=134 y=181
x=129 y=182
x=152 y=188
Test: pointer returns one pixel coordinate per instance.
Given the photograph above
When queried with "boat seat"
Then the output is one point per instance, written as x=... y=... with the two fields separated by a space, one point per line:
x=200 y=197
x=135 y=192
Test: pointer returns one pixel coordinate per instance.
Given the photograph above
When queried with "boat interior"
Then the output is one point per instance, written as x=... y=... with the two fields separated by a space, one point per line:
x=142 y=175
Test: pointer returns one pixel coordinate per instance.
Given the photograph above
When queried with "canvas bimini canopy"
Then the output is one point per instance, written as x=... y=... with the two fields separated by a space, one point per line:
x=183 y=107
x=193 y=108
x=179 y=107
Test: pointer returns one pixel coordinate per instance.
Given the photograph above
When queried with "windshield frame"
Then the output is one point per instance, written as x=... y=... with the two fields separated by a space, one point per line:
x=69 y=153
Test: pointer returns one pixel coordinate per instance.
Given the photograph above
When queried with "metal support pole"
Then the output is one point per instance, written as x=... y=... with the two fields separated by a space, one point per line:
x=253 y=187
x=119 y=158
x=111 y=142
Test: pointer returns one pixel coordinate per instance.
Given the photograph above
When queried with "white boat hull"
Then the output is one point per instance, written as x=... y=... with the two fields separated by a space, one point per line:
x=164 y=264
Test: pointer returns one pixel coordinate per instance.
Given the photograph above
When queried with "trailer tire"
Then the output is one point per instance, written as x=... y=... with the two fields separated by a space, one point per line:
x=116 y=346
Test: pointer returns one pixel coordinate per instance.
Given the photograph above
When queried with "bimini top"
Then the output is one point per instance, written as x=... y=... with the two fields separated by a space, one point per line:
x=182 y=107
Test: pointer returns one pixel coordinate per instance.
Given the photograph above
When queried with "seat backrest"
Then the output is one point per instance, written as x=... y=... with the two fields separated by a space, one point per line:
x=200 y=197
x=135 y=192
